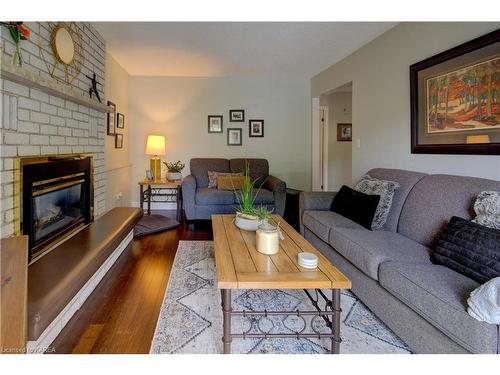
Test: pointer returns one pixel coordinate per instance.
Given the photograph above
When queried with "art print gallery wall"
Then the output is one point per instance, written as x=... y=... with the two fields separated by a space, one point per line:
x=177 y=107
x=379 y=72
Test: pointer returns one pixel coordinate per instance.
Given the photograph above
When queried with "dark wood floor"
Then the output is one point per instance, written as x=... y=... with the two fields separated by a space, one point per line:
x=120 y=315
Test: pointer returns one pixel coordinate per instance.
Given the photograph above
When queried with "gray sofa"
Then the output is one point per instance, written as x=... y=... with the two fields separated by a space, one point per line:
x=201 y=203
x=391 y=272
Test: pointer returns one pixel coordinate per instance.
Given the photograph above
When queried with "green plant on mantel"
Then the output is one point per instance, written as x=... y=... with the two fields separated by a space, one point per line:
x=17 y=32
x=174 y=167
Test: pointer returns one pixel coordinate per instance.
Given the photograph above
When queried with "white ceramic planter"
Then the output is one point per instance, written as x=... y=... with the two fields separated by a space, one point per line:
x=246 y=223
x=174 y=176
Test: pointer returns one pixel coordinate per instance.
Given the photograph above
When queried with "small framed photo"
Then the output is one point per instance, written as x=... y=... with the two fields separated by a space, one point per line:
x=118 y=140
x=237 y=115
x=256 y=128
x=120 y=120
x=149 y=175
x=344 y=132
x=111 y=119
x=215 y=124
x=234 y=137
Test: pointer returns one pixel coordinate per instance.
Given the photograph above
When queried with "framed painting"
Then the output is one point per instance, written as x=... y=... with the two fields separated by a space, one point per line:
x=255 y=128
x=118 y=140
x=234 y=136
x=215 y=124
x=237 y=115
x=455 y=100
x=111 y=130
x=120 y=120
x=344 y=132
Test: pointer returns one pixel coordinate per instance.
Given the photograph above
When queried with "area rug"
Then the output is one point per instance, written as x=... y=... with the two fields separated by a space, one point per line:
x=190 y=319
x=150 y=224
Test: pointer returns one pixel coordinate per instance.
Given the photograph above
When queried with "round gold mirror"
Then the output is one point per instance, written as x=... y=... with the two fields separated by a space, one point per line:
x=64 y=46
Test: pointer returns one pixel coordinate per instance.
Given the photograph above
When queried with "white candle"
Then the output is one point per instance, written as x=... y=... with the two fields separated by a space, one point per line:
x=268 y=241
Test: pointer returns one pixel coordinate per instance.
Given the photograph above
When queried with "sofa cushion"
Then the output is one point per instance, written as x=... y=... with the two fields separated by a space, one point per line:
x=439 y=295
x=367 y=249
x=434 y=200
x=320 y=222
x=406 y=181
x=259 y=168
x=355 y=205
x=200 y=166
x=263 y=196
x=470 y=249
x=207 y=196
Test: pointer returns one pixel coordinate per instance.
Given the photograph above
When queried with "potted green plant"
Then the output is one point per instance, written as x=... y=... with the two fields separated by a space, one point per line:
x=248 y=217
x=174 y=170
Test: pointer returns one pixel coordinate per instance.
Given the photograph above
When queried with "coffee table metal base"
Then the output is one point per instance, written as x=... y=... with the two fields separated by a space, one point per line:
x=330 y=314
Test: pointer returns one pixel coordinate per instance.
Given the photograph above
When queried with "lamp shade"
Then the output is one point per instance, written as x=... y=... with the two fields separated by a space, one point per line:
x=155 y=145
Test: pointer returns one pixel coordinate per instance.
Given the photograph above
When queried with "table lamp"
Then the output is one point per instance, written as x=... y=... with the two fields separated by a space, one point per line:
x=155 y=146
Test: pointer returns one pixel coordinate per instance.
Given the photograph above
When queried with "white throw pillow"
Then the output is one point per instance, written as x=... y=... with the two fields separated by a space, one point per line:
x=386 y=190
x=484 y=302
x=487 y=208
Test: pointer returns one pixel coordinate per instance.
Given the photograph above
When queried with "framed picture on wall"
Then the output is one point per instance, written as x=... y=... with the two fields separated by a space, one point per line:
x=455 y=99
x=237 y=115
x=234 y=136
x=215 y=124
x=111 y=119
x=120 y=121
x=256 y=128
x=344 y=132
x=119 y=140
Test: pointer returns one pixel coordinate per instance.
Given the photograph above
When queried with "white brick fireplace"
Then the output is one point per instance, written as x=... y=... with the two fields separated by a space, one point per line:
x=36 y=123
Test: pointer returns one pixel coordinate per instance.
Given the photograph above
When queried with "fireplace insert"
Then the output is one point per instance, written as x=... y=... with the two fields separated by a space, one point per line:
x=56 y=199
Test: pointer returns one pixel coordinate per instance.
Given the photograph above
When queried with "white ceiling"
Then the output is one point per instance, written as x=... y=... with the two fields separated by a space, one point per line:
x=212 y=49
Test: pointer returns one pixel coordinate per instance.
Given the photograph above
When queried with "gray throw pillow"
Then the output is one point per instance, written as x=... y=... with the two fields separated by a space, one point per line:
x=386 y=190
x=487 y=208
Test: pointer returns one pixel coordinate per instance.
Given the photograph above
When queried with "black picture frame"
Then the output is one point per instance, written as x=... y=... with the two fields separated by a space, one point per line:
x=118 y=140
x=120 y=121
x=231 y=142
x=212 y=125
x=237 y=115
x=468 y=50
x=111 y=123
x=252 y=133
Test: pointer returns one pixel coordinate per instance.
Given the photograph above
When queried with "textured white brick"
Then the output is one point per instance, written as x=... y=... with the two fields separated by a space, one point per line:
x=6 y=230
x=63 y=131
x=49 y=150
x=8 y=151
x=64 y=149
x=57 y=140
x=39 y=95
x=16 y=139
x=9 y=216
x=63 y=113
x=40 y=117
x=48 y=108
x=8 y=164
x=48 y=129
x=28 y=150
x=6 y=177
x=71 y=106
x=71 y=141
x=39 y=140
x=16 y=88
x=23 y=114
x=54 y=100
x=59 y=121
x=28 y=127
x=28 y=104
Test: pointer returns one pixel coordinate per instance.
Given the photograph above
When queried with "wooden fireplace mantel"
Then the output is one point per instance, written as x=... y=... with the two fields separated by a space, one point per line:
x=26 y=77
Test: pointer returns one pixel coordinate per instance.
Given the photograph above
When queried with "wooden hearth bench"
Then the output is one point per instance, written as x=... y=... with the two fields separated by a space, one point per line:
x=61 y=281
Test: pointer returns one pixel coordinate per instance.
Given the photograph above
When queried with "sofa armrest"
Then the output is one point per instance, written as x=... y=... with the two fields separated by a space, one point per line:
x=188 y=196
x=314 y=200
x=278 y=187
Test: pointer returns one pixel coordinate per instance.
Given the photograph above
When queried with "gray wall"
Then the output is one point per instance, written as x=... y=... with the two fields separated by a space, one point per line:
x=381 y=98
x=177 y=107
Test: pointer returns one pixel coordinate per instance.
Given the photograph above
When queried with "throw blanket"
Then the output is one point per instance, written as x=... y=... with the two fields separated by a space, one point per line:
x=484 y=302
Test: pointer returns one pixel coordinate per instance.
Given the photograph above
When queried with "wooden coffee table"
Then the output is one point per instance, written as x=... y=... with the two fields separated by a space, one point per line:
x=240 y=266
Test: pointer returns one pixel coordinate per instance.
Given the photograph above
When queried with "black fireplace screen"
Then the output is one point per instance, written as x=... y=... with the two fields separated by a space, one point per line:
x=56 y=208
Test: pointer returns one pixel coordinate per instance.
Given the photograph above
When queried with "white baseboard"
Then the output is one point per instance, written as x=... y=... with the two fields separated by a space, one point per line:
x=52 y=331
x=158 y=205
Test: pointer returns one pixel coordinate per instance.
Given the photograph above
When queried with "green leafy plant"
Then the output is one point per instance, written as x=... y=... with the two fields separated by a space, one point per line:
x=246 y=198
x=263 y=213
x=17 y=32
x=175 y=167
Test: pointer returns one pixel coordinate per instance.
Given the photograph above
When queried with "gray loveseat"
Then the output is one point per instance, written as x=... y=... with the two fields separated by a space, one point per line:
x=200 y=202
x=391 y=272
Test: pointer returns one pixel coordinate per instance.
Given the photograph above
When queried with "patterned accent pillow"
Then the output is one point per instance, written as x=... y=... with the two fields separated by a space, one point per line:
x=212 y=177
x=487 y=208
x=386 y=190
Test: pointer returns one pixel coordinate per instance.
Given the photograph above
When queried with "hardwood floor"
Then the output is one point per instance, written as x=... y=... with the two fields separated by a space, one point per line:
x=120 y=315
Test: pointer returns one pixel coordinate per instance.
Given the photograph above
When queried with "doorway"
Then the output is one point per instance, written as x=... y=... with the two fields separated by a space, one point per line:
x=335 y=135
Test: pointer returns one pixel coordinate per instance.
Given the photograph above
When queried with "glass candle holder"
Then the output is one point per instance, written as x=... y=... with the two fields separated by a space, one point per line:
x=268 y=239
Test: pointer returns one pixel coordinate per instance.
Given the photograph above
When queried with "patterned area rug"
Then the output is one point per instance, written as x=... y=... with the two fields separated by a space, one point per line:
x=190 y=318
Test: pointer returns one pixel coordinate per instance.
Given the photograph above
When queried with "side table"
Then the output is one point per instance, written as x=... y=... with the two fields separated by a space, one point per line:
x=161 y=191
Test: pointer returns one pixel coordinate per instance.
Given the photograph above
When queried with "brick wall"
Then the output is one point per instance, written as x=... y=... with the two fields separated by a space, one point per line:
x=34 y=123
